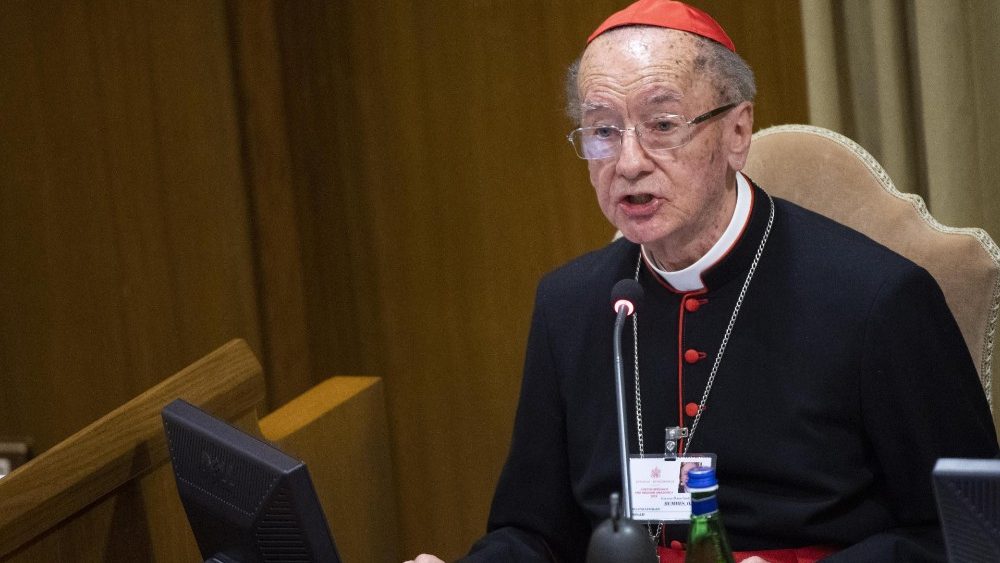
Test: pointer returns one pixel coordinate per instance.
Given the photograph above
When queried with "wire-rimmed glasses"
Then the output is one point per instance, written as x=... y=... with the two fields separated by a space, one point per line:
x=656 y=135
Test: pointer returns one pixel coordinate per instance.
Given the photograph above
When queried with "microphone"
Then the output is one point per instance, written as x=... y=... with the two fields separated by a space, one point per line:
x=619 y=539
x=626 y=293
x=624 y=296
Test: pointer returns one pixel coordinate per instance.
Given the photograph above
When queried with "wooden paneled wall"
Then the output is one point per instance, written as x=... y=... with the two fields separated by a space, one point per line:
x=125 y=249
x=352 y=186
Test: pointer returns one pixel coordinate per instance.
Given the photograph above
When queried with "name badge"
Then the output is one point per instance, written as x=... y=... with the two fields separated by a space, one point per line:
x=659 y=486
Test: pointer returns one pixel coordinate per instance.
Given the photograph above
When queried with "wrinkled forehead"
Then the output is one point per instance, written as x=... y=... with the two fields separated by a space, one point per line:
x=646 y=59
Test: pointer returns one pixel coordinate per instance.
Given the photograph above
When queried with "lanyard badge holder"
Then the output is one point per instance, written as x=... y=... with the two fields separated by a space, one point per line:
x=659 y=482
x=674 y=434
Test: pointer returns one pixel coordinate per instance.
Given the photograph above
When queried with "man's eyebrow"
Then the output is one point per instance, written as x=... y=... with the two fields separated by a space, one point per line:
x=589 y=107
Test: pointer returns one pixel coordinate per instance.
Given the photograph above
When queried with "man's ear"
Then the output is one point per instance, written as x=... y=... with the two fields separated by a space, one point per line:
x=739 y=130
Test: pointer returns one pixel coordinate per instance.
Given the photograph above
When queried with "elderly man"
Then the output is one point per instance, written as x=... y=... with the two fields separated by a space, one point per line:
x=824 y=372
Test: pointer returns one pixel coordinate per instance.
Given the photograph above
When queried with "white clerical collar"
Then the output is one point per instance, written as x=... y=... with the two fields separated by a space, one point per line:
x=689 y=279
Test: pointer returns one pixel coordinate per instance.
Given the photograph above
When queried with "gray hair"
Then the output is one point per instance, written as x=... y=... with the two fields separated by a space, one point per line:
x=730 y=74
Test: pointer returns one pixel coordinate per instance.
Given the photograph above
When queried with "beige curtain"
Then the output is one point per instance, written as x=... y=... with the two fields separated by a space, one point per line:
x=916 y=82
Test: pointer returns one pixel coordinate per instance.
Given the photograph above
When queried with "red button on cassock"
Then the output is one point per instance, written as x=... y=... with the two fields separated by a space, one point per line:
x=692 y=305
x=691 y=409
x=692 y=356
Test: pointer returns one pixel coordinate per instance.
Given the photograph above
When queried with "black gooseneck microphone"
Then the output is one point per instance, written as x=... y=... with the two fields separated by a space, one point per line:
x=619 y=539
x=624 y=295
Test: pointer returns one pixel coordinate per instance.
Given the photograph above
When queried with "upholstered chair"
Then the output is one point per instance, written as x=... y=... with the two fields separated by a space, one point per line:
x=832 y=175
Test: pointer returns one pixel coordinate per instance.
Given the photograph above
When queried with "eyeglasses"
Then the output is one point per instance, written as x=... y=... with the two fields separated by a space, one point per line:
x=656 y=135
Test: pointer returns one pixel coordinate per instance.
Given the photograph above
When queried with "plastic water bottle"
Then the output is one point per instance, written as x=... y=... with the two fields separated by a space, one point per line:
x=707 y=541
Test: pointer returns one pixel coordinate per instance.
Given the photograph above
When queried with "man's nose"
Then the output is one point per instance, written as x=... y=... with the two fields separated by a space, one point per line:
x=632 y=158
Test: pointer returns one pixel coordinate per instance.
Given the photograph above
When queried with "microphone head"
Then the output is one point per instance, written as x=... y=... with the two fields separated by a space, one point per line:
x=626 y=293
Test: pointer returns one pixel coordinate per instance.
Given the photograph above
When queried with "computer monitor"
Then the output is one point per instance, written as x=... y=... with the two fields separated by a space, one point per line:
x=968 y=498
x=246 y=500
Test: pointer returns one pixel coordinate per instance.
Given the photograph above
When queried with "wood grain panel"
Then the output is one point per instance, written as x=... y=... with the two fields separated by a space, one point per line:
x=123 y=526
x=339 y=428
x=125 y=237
x=277 y=251
x=768 y=35
x=400 y=128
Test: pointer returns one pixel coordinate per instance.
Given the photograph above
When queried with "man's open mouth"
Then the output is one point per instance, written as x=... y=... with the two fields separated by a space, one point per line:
x=639 y=199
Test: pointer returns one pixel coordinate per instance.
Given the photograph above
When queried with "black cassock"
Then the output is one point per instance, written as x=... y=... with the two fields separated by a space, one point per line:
x=844 y=380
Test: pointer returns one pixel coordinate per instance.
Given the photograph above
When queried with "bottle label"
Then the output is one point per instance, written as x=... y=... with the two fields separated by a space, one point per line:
x=704 y=505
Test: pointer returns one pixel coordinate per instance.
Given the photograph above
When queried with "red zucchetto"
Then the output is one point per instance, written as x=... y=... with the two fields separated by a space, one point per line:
x=670 y=14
